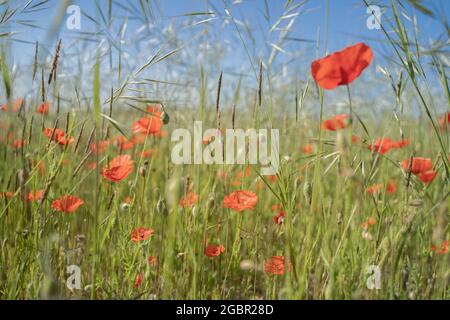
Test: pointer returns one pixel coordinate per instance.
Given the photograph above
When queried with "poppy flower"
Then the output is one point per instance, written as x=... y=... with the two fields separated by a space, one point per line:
x=374 y=188
x=335 y=123
x=277 y=207
x=148 y=125
x=7 y=194
x=18 y=144
x=342 y=67
x=17 y=104
x=118 y=168
x=141 y=234
x=279 y=218
x=43 y=108
x=442 y=248
x=391 y=187
x=419 y=164
x=308 y=148
x=382 y=146
x=59 y=136
x=137 y=280
x=147 y=153
x=67 y=204
x=152 y=260
x=369 y=222
x=427 y=176
x=123 y=143
x=212 y=250
x=240 y=200
x=276 y=265
x=355 y=139
x=100 y=147
x=35 y=196
x=189 y=200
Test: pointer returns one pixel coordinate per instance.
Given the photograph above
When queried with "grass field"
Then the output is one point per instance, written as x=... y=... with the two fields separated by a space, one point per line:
x=359 y=208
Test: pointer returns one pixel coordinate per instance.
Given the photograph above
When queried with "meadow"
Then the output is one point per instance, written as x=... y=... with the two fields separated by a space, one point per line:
x=359 y=207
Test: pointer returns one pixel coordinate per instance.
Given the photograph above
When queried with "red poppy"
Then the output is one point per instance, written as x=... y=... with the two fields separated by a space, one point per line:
x=370 y=222
x=59 y=136
x=141 y=234
x=276 y=265
x=342 y=67
x=189 y=200
x=277 y=207
x=100 y=147
x=147 y=153
x=427 y=176
x=335 y=123
x=279 y=218
x=123 y=143
x=374 y=188
x=35 y=196
x=212 y=250
x=418 y=165
x=391 y=187
x=240 y=200
x=118 y=168
x=18 y=144
x=17 y=104
x=43 y=108
x=152 y=260
x=7 y=194
x=384 y=145
x=149 y=125
x=137 y=280
x=67 y=204
x=355 y=139
x=308 y=148
x=442 y=248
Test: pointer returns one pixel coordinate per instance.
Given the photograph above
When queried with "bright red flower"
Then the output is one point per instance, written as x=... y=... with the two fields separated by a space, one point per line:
x=335 y=123
x=418 y=165
x=276 y=265
x=123 y=143
x=189 y=200
x=370 y=222
x=212 y=250
x=137 y=280
x=308 y=148
x=240 y=200
x=18 y=144
x=443 y=247
x=59 y=136
x=118 y=168
x=67 y=204
x=141 y=234
x=35 y=196
x=391 y=187
x=148 y=125
x=427 y=176
x=342 y=67
x=279 y=218
x=43 y=108
x=375 y=188
x=17 y=104
x=100 y=147
x=444 y=120
x=384 y=145
x=152 y=260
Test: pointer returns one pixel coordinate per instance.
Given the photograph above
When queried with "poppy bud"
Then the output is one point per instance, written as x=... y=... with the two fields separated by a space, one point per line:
x=165 y=118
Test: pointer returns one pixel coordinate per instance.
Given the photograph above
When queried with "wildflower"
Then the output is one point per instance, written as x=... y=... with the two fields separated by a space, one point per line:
x=212 y=250
x=279 y=218
x=418 y=165
x=442 y=248
x=141 y=234
x=152 y=260
x=17 y=104
x=118 y=168
x=35 y=196
x=391 y=187
x=308 y=148
x=335 y=123
x=189 y=200
x=18 y=144
x=100 y=147
x=384 y=145
x=148 y=125
x=43 y=108
x=427 y=176
x=240 y=200
x=369 y=222
x=67 y=204
x=123 y=143
x=137 y=280
x=276 y=265
x=374 y=188
x=59 y=136
x=342 y=67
